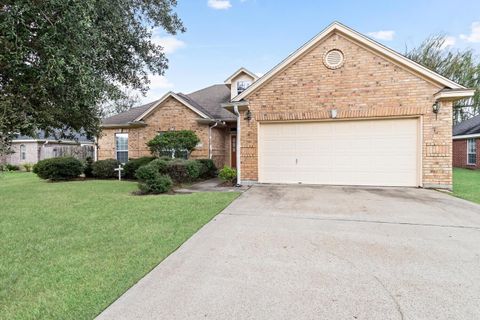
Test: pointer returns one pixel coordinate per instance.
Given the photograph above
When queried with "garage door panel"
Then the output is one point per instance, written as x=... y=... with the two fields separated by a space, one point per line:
x=370 y=152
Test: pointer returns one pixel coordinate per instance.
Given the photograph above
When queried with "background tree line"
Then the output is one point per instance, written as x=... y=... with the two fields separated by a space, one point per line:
x=461 y=66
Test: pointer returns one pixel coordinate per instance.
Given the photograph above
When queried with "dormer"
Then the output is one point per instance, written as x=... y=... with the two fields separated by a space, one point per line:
x=239 y=81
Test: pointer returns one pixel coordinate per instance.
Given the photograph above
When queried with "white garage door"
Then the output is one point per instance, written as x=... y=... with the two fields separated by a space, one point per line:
x=367 y=152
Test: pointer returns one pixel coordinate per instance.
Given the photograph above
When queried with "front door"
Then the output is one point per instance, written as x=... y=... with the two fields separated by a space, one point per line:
x=233 y=148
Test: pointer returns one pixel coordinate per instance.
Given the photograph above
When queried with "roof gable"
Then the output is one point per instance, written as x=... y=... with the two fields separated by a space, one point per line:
x=195 y=108
x=229 y=80
x=361 y=39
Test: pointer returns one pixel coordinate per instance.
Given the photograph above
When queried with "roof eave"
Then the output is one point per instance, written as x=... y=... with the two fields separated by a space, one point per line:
x=241 y=105
x=466 y=136
x=454 y=94
x=132 y=124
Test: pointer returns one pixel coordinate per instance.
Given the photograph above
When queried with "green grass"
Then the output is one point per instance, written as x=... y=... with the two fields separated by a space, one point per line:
x=68 y=250
x=466 y=184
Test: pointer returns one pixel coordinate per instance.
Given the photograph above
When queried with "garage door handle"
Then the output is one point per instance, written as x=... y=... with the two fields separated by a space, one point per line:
x=296 y=161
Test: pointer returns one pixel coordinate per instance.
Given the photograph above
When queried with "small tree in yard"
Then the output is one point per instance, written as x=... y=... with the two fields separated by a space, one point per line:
x=174 y=143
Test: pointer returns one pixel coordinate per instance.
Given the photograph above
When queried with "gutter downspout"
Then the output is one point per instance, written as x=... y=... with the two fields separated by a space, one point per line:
x=239 y=180
x=95 y=149
x=210 y=149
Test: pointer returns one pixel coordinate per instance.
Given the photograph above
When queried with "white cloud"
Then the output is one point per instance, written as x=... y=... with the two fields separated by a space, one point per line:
x=159 y=82
x=449 y=41
x=170 y=44
x=386 y=35
x=474 y=35
x=219 y=4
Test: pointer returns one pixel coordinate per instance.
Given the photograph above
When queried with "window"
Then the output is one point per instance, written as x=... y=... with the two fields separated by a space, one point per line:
x=242 y=86
x=23 y=152
x=471 y=151
x=121 y=146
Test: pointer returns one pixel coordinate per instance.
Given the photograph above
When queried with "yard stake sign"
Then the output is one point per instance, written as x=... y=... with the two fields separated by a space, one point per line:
x=119 y=169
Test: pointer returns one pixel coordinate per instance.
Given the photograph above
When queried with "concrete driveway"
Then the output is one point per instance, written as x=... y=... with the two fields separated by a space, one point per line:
x=300 y=252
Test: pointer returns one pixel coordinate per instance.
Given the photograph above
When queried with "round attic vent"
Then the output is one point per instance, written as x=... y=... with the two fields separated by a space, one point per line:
x=333 y=59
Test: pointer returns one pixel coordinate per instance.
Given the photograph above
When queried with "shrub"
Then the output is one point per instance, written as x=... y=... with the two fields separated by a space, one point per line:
x=57 y=169
x=88 y=167
x=151 y=181
x=183 y=170
x=207 y=168
x=105 y=169
x=178 y=142
x=228 y=174
x=28 y=167
x=193 y=169
x=132 y=165
x=160 y=165
x=11 y=167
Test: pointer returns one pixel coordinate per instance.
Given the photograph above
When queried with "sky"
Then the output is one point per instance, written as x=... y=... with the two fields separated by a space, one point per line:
x=224 y=35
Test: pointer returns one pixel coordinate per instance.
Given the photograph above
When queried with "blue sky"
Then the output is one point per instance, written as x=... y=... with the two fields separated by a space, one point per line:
x=223 y=35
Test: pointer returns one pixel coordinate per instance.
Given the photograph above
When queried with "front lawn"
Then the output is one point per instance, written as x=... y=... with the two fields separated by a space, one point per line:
x=70 y=249
x=466 y=184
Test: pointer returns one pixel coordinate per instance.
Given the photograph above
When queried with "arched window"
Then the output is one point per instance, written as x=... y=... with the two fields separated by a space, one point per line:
x=23 y=152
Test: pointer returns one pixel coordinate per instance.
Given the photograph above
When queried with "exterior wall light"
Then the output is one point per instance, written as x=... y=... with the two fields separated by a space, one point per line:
x=436 y=109
x=248 y=115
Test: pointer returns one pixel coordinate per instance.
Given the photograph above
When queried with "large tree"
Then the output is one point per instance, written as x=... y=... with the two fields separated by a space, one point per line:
x=461 y=66
x=61 y=59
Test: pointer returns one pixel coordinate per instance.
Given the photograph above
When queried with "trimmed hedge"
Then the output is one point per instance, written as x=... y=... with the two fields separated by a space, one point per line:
x=151 y=181
x=105 y=169
x=207 y=168
x=88 y=167
x=132 y=166
x=160 y=165
x=58 y=169
x=183 y=170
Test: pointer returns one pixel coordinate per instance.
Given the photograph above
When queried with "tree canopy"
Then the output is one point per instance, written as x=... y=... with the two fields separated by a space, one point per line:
x=461 y=66
x=60 y=60
x=173 y=143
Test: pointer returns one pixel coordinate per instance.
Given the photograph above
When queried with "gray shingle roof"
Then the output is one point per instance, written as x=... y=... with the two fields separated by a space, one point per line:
x=57 y=135
x=207 y=101
x=470 y=126
x=211 y=98
x=128 y=116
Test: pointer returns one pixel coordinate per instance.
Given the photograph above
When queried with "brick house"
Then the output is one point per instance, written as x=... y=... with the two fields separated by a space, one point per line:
x=466 y=142
x=342 y=110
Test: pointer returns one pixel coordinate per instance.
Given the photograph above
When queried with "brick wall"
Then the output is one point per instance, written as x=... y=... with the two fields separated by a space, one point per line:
x=32 y=152
x=171 y=114
x=367 y=86
x=460 y=154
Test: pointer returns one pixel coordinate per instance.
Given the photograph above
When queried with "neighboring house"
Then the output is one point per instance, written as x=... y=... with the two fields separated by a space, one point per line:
x=33 y=149
x=342 y=110
x=466 y=142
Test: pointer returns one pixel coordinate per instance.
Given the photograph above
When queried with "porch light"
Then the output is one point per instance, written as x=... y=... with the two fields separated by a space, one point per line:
x=436 y=107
